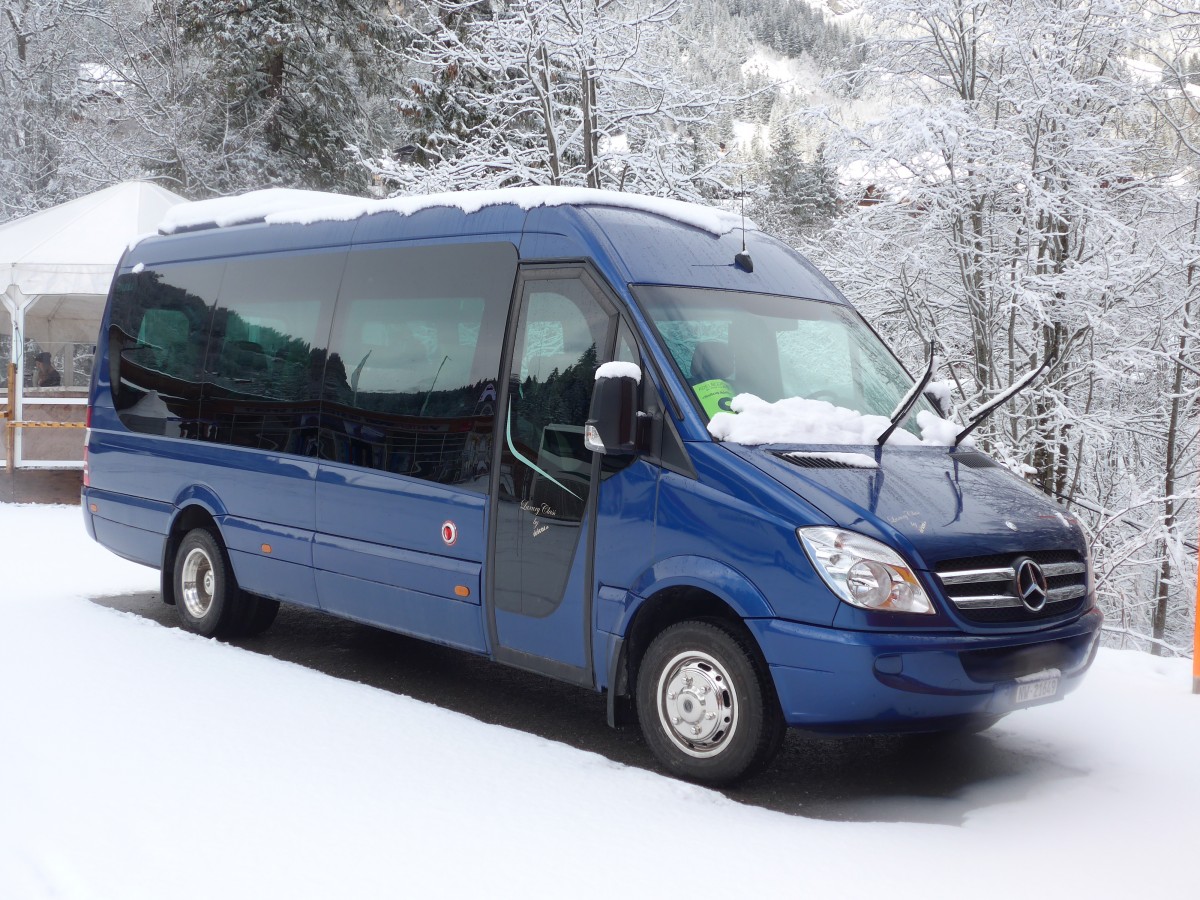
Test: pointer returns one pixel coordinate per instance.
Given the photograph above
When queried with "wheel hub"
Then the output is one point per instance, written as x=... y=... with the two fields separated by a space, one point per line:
x=198 y=583
x=697 y=703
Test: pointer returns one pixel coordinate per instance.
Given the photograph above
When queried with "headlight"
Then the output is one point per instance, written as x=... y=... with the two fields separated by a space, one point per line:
x=864 y=572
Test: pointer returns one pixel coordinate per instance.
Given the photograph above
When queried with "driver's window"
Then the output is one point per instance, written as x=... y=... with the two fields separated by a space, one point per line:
x=562 y=335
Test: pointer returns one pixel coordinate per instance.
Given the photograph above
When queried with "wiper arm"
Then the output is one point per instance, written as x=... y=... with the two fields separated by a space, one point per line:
x=909 y=400
x=977 y=418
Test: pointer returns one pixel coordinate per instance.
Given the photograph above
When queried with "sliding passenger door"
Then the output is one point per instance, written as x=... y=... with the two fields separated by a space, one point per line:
x=408 y=413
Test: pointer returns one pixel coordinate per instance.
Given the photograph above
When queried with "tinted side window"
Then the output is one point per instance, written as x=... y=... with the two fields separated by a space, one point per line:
x=157 y=337
x=266 y=353
x=414 y=357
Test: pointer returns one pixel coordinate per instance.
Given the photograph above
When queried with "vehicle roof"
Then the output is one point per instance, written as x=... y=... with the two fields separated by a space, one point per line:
x=631 y=238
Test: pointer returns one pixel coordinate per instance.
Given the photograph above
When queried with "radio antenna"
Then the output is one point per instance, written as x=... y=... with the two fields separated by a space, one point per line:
x=742 y=197
x=742 y=260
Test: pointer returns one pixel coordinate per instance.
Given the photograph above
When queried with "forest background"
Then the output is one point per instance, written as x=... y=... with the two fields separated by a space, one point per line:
x=1016 y=181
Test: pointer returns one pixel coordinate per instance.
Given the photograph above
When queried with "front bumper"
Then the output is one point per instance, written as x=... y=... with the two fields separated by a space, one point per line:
x=849 y=682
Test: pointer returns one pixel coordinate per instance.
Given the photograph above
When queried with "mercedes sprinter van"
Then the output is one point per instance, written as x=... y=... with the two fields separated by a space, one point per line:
x=626 y=442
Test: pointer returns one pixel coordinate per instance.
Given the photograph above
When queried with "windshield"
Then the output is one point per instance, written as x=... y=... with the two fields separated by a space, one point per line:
x=728 y=342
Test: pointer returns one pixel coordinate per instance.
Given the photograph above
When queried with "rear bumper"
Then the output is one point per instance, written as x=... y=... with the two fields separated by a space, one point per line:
x=853 y=681
x=131 y=527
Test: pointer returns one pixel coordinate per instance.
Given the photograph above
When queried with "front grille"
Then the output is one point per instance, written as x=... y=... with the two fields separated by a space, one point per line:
x=983 y=588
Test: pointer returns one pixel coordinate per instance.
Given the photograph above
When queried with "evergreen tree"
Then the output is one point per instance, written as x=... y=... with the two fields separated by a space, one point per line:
x=292 y=80
x=798 y=197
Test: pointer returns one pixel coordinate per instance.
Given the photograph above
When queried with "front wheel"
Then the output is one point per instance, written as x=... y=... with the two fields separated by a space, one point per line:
x=706 y=705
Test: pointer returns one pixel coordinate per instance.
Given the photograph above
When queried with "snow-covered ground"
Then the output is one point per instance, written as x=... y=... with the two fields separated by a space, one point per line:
x=138 y=761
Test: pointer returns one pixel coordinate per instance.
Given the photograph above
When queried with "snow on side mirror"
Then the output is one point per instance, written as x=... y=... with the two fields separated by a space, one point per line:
x=611 y=427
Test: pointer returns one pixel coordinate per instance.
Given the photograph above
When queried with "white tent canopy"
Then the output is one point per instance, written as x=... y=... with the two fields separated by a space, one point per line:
x=55 y=269
x=72 y=249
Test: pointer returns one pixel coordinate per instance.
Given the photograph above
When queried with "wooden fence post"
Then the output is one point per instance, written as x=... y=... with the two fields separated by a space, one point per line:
x=10 y=415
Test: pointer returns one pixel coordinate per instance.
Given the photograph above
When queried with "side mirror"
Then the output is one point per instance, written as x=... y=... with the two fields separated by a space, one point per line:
x=611 y=427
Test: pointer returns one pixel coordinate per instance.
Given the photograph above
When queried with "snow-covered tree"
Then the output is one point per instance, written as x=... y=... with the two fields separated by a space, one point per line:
x=586 y=92
x=291 y=83
x=1024 y=213
x=44 y=81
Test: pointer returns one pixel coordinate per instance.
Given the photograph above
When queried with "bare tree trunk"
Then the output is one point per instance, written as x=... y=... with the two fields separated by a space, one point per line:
x=548 y=116
x=274 y=93
x=1162 y=598
x=591 y=136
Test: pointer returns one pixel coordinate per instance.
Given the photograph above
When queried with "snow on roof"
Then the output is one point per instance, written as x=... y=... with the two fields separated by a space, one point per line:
x=280 y=206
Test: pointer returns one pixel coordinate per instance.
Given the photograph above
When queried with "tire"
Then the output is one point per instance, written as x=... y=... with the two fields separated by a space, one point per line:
x=706 y=704
x=262 y=613
x=206 y=594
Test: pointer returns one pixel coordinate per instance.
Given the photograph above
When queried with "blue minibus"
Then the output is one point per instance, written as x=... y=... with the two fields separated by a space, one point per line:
x=630 y=443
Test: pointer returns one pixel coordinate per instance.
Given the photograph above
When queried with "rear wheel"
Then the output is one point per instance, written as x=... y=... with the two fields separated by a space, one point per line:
x=706 y=704
x=206 y=594
x=260 y=616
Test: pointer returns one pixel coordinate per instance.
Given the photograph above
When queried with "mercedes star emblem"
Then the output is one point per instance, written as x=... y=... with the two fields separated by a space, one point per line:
x=1030 y=584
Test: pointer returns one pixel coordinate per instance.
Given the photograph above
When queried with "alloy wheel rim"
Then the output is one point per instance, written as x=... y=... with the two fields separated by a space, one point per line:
x=198 y=583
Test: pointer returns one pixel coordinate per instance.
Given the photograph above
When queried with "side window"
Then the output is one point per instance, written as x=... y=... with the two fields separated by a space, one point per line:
x=626 y=345
x=414 y=358
x=160 y=323
x=266 y=354
x=562 y=335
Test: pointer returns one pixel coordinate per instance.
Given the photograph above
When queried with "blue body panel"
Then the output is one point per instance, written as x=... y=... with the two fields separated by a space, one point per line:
x=368 y=545
x=842 y=681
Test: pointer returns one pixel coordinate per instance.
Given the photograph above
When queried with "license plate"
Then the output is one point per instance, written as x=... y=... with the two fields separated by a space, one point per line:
x=1032 y=691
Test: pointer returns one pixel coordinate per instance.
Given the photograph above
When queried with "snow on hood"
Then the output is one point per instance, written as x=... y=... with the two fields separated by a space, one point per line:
x=283 y=206
x=798 y=420
x=853 y=460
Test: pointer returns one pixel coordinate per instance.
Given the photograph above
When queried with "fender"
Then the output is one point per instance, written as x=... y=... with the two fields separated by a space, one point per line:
x=616 y=608
x=202 y=496
x=700 y=572
x=192 y=496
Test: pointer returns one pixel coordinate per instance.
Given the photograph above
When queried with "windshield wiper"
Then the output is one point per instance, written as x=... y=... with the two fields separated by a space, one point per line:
x=909 y=400
x=976 y=418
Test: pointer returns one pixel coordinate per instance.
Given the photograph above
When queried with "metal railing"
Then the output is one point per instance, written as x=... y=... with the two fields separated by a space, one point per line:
x=10 y=419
